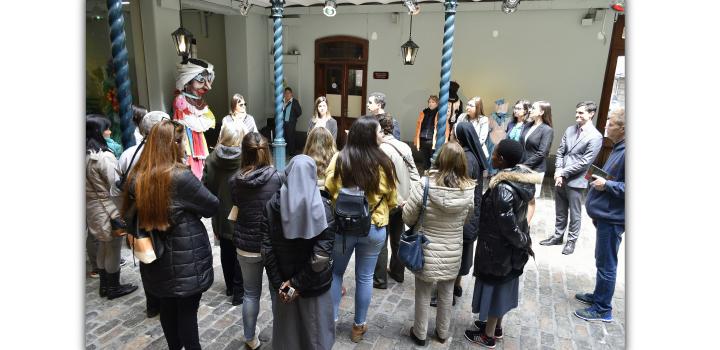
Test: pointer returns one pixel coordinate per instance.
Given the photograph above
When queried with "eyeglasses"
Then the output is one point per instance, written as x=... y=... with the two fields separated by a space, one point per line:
x=201 y=78
x=242 y=104
x=173 y=122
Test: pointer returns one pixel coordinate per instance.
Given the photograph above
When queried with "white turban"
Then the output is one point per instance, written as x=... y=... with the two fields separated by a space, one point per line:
x=186 y=72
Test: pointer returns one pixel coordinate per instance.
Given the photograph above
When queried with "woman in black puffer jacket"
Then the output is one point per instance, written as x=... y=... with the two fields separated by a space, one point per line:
x=503 y=244
x=164 y=196
x=297 y=252
x=251 y=188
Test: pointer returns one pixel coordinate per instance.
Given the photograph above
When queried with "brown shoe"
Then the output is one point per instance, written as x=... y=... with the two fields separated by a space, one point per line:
x=356 y=334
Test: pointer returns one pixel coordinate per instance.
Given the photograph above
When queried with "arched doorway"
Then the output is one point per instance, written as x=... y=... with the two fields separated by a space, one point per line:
x=341 y=76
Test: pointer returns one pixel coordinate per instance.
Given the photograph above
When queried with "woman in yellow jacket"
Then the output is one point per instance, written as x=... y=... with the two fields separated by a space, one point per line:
x=361 y=163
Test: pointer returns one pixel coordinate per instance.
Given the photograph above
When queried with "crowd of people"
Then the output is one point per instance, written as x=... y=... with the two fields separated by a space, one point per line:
x=473 y=203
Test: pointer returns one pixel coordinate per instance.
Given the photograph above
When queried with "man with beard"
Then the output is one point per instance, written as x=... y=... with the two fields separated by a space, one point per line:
x=194 y=80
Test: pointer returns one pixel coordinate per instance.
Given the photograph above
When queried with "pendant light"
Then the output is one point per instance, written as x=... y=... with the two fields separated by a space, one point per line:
x=409 y=49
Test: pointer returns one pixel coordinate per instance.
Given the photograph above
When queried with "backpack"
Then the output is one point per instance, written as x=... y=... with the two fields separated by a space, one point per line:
x=351 y=212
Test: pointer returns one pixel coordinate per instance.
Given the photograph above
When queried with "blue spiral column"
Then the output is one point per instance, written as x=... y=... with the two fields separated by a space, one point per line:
x=122 y=70
x=279 y=142
x=446 y=65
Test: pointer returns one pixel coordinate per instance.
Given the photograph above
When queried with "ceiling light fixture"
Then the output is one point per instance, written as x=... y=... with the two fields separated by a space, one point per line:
x=330 y=8
x=618 y=5
x=412 y=6
x=510 y=6
x=245 y=6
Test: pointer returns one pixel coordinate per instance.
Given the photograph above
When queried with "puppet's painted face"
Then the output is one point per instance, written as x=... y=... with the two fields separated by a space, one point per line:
x=201 y=84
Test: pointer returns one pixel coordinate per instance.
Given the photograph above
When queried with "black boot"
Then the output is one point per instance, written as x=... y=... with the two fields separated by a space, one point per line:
x=103 y=283
x=115 y=289
x=554 y=240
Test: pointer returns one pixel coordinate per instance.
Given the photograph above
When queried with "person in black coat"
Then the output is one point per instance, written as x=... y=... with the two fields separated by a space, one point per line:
x=503 y=244
x=251 y=188
x=467 y=137
x=291 y=112
x=536 y=138
x=165 y=198
x=297 y=253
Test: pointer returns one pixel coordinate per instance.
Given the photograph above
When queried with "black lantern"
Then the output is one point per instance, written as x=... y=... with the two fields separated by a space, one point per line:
x=409 y=49
x=184 y=40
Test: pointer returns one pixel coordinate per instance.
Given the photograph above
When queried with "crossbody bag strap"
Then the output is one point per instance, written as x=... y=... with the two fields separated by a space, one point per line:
x=133 y=158
x=425 y=197
x=407 y=162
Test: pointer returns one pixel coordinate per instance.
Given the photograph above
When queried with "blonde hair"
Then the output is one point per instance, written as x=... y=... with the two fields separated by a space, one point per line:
x=320 y=146
x=452 y=167
x=478 y=106
x=230 y=135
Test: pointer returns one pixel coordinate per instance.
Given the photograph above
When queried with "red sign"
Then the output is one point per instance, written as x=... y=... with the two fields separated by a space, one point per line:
x=381 y=75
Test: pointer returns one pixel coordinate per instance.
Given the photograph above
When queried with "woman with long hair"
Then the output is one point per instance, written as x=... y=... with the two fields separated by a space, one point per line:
x=536 y=140
x=222 y=163
x=364 y=165
x=163 y=195
x=520 y=112
x=238 y=116
x=449 y=206
x=252 y=187
x=320 y=146
x=475 y=115
x=296 y=252
x=322 y=118
x=503 y=245
x=100 y=209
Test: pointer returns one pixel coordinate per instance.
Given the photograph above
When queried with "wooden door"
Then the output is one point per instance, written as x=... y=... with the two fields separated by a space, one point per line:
x=341 y=76
x=613 y=92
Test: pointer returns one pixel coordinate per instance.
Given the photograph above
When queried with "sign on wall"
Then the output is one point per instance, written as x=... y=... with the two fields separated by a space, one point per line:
x=381 y=75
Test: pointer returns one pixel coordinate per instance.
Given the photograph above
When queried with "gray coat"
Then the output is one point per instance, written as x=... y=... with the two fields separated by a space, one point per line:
x=574 y=157
x=99 y=206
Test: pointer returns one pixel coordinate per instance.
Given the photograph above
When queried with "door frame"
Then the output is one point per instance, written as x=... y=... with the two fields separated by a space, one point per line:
x=343 y=120
x=617 y=49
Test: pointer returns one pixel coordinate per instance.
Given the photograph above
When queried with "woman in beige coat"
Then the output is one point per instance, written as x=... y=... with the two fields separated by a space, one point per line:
x=449 y=204
x=100 y=208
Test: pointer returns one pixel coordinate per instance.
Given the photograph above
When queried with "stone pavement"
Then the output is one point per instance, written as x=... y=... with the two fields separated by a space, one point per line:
x=543 y=319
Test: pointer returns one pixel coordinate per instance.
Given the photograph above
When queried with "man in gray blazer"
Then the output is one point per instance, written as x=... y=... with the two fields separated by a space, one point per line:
x=578 y=149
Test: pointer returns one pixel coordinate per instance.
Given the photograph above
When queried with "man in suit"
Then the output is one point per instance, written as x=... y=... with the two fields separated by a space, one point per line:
x=578 y=149
x=291 y=113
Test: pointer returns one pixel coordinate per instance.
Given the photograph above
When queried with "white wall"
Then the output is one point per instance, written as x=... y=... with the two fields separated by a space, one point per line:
x=539 y=54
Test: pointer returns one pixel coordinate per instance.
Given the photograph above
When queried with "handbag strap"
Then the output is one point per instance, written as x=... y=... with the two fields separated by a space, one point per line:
x=425 y=197
x=407 y=162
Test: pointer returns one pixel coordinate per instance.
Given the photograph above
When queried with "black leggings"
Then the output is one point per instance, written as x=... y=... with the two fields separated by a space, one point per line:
x=178 y=318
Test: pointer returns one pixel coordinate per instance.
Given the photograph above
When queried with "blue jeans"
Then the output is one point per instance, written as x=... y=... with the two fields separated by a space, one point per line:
x=607 y=244
x=367 y=250
x=252 y=269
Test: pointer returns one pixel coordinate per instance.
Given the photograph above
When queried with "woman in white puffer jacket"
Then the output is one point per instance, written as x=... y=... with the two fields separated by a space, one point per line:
x=449 y=205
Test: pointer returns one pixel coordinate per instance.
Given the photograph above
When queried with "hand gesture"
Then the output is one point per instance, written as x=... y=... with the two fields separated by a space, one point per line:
x=290 y=296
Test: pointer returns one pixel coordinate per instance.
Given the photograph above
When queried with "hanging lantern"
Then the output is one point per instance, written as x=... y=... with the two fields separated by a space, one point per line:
x=184 y=42
x=409 y=49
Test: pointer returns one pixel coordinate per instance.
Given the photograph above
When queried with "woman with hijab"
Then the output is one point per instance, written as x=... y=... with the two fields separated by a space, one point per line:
x=297 y=251
x=473 y=153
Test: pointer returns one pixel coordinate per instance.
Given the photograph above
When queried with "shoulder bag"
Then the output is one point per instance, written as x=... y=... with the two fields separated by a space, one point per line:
x=410 y=251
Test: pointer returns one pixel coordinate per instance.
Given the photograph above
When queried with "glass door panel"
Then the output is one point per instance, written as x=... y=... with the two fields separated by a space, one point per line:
x=355 y=106
x=334 y=89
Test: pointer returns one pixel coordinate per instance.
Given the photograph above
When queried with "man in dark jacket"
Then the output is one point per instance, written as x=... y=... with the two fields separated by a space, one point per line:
x=606 y=206
x=291 y=112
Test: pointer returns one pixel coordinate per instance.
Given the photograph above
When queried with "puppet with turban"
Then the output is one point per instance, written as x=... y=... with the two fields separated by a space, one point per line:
x=194 y=80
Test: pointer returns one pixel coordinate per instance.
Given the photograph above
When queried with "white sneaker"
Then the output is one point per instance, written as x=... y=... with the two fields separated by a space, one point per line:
x=253 y=343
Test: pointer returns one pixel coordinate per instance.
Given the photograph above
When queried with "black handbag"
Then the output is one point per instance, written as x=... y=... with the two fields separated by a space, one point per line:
x=410 y=251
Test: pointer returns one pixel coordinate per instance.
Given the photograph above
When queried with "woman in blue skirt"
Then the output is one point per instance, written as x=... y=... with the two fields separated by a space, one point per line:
x=503 y=244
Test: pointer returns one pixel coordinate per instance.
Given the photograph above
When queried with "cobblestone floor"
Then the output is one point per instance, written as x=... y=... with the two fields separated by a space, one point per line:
x=543 y=319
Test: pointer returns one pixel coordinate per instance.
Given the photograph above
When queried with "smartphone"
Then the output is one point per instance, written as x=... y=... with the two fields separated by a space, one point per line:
x=290 y=291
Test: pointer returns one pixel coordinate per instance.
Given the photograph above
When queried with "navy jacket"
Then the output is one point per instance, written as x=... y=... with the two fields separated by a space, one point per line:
x=609 y=205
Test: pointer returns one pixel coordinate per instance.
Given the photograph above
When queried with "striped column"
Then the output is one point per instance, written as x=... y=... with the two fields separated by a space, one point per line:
x=446 y=65
x=279 y=141
x=122 y=70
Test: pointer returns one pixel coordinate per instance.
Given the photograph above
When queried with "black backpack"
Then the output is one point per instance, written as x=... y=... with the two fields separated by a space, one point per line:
x=351 y=212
